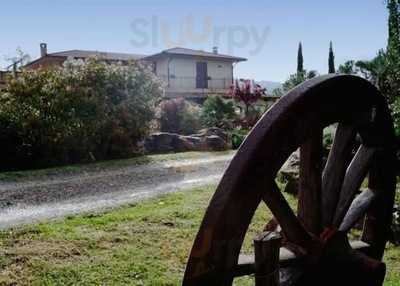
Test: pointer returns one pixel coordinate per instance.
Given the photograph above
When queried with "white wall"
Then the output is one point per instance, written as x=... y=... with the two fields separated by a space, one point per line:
x=220 y=73
x=162 y=67
x=182 y=72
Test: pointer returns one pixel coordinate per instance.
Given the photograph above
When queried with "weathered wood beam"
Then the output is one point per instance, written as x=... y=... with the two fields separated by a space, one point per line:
x=335 y=170
x=358 y=209
x=355 y=175
x=291 y=226
x=309 y=206
x=287 y=258
x=266 y=257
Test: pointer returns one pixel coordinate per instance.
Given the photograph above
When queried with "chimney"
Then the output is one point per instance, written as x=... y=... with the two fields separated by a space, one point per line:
x=43 y=49
x=215 y=50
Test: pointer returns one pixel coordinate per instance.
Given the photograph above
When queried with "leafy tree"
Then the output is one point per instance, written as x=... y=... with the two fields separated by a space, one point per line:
x=310 y=74
x=393 y=48
x=349 y=67
x=298 y=78
x=278 y=92
x=83 y=111
x=374 y=70
x=300 y=59
x=247 y=93
x=331 y=59
x=378 y=71
x=21 y=58
x=217 y=112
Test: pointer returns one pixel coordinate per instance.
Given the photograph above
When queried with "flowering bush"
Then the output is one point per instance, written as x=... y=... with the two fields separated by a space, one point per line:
x=247 y=93
x=179 y=116
x=84 y=110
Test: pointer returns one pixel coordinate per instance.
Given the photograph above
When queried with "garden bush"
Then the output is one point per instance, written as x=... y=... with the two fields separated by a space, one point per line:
x=82 y=111
x=238 y=135
x=247 y=94
x=217 y=112
x=395 y=108
x=396 y=220
x=179 y=116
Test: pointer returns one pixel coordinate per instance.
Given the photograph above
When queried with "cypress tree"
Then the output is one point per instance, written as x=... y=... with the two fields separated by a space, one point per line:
x=300 y=68
x=393 y=48
x=331 y=59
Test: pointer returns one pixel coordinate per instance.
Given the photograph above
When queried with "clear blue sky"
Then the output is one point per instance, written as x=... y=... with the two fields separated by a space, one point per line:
x=357 y=28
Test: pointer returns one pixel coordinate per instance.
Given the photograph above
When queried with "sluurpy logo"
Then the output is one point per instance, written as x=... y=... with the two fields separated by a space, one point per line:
x=156 y=32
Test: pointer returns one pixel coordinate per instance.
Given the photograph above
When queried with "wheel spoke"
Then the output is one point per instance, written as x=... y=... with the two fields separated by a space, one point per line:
x=309 y=209
x=355 y=175
x=358 y=209
x=382 y=179
x=335 y=170
x=291 y=226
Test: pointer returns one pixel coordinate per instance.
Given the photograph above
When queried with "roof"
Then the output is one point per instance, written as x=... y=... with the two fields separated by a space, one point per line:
x=195 y=53
x=103 y=55
x=82 y=54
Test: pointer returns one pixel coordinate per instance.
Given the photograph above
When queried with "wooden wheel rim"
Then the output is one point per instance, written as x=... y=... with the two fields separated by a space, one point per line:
x=284 y=128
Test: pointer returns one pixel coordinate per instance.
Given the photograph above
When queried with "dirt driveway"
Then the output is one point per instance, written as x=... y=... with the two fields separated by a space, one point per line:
x=47 y=197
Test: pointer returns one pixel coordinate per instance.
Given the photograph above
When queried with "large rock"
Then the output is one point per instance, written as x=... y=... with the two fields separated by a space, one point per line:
x=163 y=142
x=290 y=173
x=291 y=167
x=213 y=131
x=212 y=139
x=214 y=143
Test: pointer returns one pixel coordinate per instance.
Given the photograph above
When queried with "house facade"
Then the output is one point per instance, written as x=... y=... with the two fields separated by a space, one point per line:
x=188 y=73
x=192 y=73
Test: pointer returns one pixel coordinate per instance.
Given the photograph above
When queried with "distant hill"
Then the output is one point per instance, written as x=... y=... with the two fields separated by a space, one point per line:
x=269 y=85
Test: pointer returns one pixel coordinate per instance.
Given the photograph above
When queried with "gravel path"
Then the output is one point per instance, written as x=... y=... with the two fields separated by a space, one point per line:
x=51 y=197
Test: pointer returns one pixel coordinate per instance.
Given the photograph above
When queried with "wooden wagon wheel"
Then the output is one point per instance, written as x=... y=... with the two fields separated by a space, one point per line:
x=329 y=200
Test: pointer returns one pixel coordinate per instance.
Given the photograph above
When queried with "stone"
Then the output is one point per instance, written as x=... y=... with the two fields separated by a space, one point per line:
x=163 y=142
x=215 y=143
x=290 y=173
x=291 y=167
x=211 y=139
x=213 y=131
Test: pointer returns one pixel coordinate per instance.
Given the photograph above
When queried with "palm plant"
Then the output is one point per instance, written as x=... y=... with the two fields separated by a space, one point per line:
x=375 y=69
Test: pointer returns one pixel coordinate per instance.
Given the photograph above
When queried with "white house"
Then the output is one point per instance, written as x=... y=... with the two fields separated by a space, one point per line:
x=194 y=73
x=187 y=73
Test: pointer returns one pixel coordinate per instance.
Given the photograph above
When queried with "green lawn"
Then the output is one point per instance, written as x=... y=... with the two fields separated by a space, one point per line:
x=142 y=244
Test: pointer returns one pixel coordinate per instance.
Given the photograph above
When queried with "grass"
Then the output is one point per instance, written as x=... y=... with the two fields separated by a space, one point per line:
x=141 y=244
x=110 y=164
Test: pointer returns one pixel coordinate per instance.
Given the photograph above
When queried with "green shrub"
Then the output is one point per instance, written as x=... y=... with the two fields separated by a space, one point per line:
x=238 y=136
x=327 y=140
x=191 y=122
x=395 y=107
x=396 y=219
x=217 y=112
x=179 y=116
x=83 y=111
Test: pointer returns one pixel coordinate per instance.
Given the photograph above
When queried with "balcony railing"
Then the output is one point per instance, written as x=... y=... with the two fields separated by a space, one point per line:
x=191 y=83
